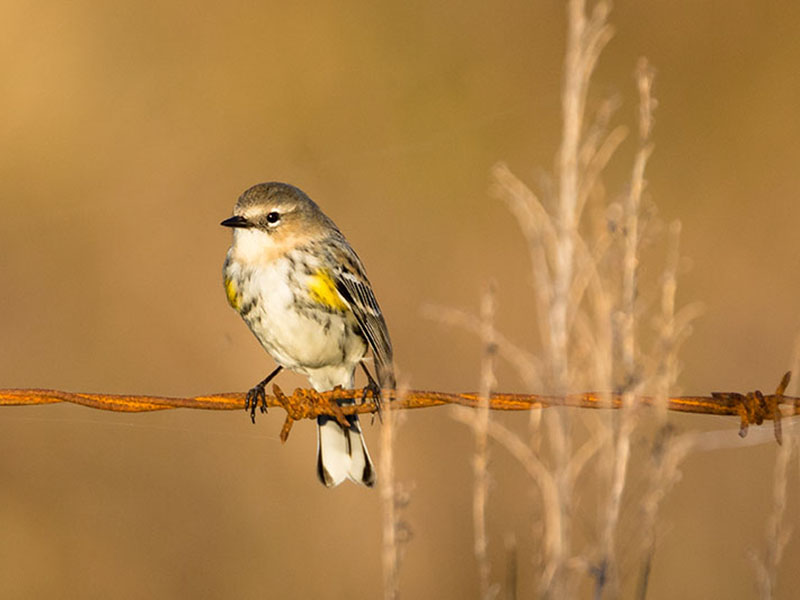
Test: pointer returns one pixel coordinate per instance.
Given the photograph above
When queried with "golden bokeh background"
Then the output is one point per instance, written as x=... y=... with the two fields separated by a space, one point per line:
x=128 y=130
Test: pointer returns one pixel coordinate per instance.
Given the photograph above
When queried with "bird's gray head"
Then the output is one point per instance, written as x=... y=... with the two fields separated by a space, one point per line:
x=274 y=206
x=277 y=215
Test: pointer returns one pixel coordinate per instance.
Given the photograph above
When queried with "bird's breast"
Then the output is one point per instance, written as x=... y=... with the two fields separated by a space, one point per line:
x=278 y=303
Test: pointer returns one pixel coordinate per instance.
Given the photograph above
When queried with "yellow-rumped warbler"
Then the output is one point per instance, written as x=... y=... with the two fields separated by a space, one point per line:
x=303 y=291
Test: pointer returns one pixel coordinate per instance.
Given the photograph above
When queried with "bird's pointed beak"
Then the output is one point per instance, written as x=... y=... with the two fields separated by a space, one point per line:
x=236 y=221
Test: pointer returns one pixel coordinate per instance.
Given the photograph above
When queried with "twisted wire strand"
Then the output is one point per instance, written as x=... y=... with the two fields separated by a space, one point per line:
x=753 y=408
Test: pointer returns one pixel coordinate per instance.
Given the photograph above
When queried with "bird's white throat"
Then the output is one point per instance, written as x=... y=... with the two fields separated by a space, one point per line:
x=252 y=246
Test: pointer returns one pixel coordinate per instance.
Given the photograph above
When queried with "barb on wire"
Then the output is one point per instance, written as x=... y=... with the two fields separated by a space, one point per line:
x=753 y=408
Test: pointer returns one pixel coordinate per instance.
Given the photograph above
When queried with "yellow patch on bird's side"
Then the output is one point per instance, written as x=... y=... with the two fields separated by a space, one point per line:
x=232 y=293
x=323 y=290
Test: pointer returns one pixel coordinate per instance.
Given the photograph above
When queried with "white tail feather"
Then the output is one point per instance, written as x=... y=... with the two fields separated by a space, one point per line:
x=342 y=453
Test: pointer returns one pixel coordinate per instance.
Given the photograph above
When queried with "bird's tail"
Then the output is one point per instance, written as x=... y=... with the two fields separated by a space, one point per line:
x=342 y=453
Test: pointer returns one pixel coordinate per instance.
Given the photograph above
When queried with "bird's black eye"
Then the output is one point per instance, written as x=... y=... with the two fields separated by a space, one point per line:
x=273 y=217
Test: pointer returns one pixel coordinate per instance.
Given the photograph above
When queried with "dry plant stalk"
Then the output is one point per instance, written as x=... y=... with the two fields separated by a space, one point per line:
x=392 y=501
x=556 y=252
x=778 y=530
x=608 y=574
x=667 y=451
x=480 y=428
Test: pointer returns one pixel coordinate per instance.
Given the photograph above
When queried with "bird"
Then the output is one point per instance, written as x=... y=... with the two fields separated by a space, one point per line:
x=303 y=291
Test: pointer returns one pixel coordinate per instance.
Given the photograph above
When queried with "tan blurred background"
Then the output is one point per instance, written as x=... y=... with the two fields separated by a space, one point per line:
x=128 y=130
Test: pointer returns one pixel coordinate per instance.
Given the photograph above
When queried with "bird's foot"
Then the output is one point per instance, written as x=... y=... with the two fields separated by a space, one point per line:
x=256 y=397
x=373 y=390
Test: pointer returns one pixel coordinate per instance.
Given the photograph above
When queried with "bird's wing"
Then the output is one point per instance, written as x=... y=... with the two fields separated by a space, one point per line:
x=353 y=285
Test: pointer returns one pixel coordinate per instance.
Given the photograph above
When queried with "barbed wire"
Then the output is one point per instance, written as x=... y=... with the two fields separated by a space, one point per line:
x=753 y=408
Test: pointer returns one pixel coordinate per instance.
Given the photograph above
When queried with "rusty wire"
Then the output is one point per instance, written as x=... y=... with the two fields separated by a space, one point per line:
x=753 y=408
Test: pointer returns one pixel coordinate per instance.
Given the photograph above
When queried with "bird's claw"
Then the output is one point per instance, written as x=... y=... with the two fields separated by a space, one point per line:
x=256 y=397
x=375 y=392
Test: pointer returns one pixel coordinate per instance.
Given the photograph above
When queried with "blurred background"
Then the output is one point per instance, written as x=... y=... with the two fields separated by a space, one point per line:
x=129 y=129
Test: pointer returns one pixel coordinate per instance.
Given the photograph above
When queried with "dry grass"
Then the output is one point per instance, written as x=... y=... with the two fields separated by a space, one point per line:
x=595 y=332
